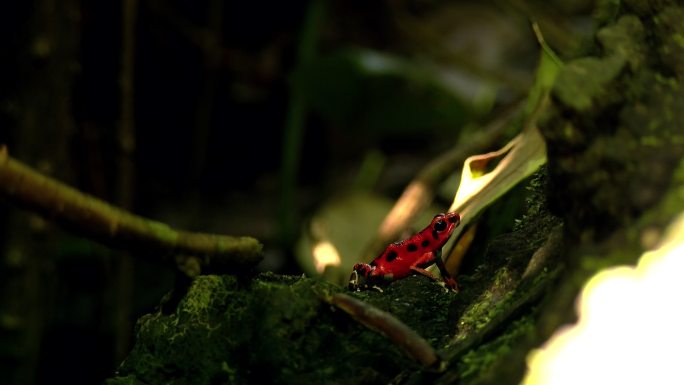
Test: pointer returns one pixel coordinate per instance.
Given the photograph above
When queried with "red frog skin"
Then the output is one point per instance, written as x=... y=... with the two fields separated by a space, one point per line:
x=412 y=255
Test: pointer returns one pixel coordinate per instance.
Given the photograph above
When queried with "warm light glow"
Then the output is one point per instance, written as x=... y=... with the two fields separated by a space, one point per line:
x=631 y=326
x=408 y=205
x=473 y=176
x=325 y=254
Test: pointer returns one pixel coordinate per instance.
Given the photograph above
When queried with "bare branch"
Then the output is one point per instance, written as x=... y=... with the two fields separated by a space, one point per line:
x=118 y=228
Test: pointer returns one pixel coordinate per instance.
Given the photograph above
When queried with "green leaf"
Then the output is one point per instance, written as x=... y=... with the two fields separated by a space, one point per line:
x=517 y=160
x=547 y=70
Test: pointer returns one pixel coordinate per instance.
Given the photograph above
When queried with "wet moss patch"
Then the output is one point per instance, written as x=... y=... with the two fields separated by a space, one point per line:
x=277 y=330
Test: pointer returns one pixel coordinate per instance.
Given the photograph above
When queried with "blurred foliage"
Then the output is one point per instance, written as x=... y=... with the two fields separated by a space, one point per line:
x=348 y=222
x=380 y=93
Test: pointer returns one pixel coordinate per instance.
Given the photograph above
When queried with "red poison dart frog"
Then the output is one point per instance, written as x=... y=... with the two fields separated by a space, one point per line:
x=413 y=255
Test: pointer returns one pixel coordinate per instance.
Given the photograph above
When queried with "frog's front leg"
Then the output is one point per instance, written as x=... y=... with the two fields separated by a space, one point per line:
x=434 y=257
x=448 y=279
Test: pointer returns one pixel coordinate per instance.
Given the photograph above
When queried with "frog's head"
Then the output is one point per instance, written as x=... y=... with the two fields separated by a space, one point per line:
x=360 y=276
x=443 y=225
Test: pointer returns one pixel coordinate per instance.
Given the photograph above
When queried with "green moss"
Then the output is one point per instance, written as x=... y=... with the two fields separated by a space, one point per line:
x=669 y=31
x=584 y=81
x=487 y=305
x=588 y=82
x=615 y=131
x=497 y=284
x=476 y=366
x=625 y=40
x=127 y=380
x=275 y=329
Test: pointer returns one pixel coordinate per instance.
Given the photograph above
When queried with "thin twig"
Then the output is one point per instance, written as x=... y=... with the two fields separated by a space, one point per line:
x=126 y=176
x=386 y=324
x=295 y=121
x=212 y=57
x=85 y=214
x=126 y=133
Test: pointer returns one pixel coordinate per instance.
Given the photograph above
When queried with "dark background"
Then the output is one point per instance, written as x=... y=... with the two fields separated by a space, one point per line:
x=247 y=117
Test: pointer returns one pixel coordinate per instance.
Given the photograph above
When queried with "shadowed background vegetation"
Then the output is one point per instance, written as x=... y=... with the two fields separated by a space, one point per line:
x=261 y=118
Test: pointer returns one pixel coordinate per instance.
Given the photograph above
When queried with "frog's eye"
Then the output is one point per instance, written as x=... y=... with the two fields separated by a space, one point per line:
x=440 y=225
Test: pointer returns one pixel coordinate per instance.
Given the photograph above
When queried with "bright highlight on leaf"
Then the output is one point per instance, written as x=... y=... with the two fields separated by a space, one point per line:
x=325 y=254
x=629 y=329
x=474 y=177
